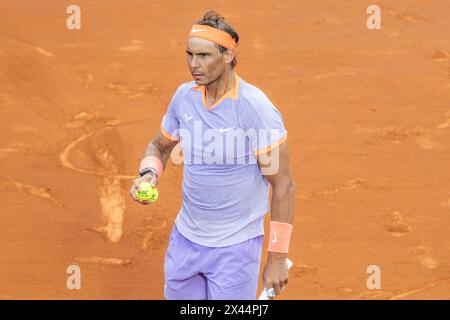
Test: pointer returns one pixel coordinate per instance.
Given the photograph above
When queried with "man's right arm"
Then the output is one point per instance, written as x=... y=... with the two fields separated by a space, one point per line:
x=160 y=147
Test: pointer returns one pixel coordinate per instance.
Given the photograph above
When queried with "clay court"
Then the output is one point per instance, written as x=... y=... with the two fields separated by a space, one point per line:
x=367 y=112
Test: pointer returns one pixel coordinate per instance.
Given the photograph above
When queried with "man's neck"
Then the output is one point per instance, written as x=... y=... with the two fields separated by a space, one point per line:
x=222 y=85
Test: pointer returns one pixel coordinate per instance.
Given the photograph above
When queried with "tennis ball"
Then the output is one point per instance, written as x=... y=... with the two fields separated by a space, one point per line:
x=147 y=192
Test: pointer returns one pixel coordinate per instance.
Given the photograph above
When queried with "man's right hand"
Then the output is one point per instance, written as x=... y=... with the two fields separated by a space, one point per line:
x=150 y=178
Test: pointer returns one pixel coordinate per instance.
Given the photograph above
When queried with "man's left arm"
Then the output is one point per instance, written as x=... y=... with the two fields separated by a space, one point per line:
x=275 y=167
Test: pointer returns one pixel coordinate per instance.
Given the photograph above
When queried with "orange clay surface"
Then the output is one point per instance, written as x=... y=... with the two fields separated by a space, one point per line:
x=367 y=112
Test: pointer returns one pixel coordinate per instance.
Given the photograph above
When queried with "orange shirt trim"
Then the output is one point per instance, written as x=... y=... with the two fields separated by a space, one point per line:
x=167 y=135
x=271 y=147
x=232 y=94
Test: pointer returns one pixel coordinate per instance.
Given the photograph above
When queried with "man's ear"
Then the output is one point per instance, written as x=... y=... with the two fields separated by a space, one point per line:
x=230 y=54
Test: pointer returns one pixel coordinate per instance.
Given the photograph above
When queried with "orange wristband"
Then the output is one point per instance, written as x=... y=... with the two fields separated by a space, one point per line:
x=152 y=162
x=279 y=236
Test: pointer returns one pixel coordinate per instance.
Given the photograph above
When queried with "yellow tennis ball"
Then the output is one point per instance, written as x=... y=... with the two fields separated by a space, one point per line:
x=147 y=193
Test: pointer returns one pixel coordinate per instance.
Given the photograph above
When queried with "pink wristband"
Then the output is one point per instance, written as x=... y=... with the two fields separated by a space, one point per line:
x=279 y=236
x=152 y=162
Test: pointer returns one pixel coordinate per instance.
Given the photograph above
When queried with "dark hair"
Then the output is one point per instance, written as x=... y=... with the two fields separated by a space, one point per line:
x=215 y=20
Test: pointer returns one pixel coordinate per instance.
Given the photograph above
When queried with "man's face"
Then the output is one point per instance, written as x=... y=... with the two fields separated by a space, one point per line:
x=205 y=61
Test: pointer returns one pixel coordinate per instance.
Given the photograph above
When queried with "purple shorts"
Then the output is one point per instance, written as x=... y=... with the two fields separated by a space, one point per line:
x=195 y=272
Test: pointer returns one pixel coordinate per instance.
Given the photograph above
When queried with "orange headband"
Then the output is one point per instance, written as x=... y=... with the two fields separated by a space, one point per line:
x=213 y=34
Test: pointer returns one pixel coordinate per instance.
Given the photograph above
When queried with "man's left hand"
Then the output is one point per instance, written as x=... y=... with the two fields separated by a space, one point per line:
x=276 y=273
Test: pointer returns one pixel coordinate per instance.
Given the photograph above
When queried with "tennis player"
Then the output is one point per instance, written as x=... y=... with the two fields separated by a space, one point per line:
x=234 y=148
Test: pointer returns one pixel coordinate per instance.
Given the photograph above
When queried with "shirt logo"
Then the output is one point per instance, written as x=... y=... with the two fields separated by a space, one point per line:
x=221 y=130
x=187 y=117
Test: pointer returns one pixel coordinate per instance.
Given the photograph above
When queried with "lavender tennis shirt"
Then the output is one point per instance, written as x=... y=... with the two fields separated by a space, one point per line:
x=224 y=195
